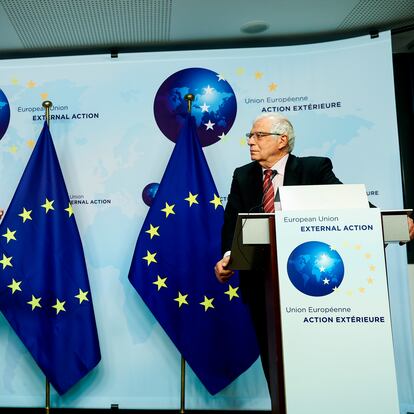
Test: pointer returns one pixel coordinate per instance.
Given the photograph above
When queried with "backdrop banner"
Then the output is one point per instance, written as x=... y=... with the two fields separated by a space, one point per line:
x=114 y=124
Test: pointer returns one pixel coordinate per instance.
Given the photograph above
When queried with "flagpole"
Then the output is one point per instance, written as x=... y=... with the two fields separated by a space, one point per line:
x=182 y=400
x=47 y=105
x=189 y=98
x=47 y=395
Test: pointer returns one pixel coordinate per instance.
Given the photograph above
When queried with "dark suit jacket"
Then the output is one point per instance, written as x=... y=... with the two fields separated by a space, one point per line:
x=246 y=191
x=245 y=196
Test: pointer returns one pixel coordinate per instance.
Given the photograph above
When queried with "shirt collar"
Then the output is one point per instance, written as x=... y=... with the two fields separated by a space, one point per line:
x=279 y=166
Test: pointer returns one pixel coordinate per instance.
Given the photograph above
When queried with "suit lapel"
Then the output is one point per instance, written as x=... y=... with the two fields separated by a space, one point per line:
x=292 y=171
x=255 y=180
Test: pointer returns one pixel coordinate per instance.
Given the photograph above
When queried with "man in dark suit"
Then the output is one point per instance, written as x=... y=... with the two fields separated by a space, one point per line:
x=271 y=142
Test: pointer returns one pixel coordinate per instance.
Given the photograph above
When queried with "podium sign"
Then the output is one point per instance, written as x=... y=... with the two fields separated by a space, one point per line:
x=336 y=329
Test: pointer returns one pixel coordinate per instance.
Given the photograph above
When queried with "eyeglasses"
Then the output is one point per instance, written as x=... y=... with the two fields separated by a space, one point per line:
x=259 y=135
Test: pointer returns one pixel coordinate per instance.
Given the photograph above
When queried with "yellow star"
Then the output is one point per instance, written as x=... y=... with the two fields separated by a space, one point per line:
x=207 y=303
x=31 y=84
x=361 y=290
x=272 y=87
x=168 y=209
x=358 y=247
x=82 y=296
x=349 y=293
x=232 y=292
x=258 y=75
x=25 y=215
x=48 y=205
x=13 y=149
x=370 y=280
x=150 y=258
x=44 y=96
x=14 y=81
x=216 y=201
x=69 y=210
x=30 y=143
x=335 y=289
x=9 y=235
x=368 y=255
x=153 y=231
x=6 y=261
x=181 y=299
x=243 y=142
x=160 y=282
x=59 y=306
x=240 y=71
x=35 y=302
x=372 y=268
x=192 y=199
x=14 y=286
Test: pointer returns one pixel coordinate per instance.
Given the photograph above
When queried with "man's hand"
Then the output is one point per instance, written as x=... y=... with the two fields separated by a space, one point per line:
x=222 y=273
x=1 y=213
x=411 y=228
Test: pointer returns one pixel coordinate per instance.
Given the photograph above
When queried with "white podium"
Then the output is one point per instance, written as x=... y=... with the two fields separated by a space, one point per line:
x=329 y=322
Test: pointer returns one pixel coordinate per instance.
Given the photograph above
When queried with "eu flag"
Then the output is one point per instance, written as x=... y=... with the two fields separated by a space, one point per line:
x=173 y=270
x=44 y=287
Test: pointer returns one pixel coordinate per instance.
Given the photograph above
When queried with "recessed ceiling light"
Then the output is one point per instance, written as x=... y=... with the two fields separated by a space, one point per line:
x=255 y=26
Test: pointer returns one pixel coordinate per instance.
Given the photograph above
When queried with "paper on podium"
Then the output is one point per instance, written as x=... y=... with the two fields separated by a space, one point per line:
x=395 y=225
x=252 y=229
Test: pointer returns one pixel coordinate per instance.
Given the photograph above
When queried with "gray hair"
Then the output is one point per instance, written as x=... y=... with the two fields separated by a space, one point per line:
x=280 y=125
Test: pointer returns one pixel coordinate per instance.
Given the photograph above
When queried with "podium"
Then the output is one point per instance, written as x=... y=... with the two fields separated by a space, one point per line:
x=328 y=318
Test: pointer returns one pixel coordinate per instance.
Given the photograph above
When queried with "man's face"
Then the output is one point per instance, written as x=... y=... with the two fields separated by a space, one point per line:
x=266 y=149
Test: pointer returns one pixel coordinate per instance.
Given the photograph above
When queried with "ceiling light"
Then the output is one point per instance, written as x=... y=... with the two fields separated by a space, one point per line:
x=255 y=26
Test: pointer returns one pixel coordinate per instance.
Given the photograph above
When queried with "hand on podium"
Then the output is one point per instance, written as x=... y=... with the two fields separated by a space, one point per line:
x=223 y=274
x=410 y=227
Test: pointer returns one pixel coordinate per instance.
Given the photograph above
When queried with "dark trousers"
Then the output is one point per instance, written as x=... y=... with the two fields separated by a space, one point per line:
x=253 y=291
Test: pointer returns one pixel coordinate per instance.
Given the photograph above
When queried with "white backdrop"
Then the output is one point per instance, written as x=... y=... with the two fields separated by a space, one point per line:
x=110 y=154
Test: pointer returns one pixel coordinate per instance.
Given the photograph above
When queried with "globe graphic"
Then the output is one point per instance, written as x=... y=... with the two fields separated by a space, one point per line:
x=4 y=114
x=214 y=107
x=315 y=268
x=148 y=193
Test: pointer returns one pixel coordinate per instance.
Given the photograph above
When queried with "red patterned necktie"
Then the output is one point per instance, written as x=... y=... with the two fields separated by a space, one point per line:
x=268 y=192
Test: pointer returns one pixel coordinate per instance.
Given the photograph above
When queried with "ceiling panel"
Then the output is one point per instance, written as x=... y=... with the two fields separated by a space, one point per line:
x=93 y=23
x=9 y=40
x=379 y=13
x=30 y=27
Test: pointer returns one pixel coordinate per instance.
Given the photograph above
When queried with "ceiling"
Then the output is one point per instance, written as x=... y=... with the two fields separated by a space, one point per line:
x=61 y=27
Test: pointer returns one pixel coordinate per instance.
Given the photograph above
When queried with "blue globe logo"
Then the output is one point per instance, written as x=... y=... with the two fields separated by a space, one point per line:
x=4 y=114
x=315 y=268
x=148 y=193
x=214 y=107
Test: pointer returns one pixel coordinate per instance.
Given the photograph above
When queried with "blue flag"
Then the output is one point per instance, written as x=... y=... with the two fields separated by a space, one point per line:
x=44 y=287
x=173 y=270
